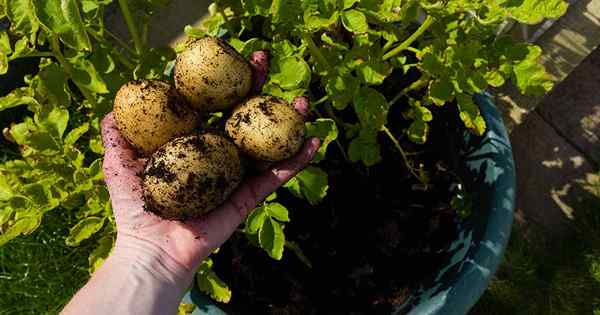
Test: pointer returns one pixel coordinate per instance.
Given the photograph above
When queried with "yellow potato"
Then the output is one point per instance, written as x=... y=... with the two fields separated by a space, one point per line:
x=150 y=113
x=190 y=176
x=211 y=75
x=266 y=128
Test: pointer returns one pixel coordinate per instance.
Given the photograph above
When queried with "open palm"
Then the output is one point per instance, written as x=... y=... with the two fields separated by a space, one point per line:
x=188 y=243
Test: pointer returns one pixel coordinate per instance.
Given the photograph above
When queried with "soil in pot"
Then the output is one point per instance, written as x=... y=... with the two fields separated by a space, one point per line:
x=373 y=239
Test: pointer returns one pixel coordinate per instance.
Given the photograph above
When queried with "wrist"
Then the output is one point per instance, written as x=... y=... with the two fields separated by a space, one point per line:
x=145 y=259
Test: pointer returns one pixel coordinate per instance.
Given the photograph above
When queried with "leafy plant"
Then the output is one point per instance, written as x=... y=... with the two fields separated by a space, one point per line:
x=339 y=53
x=81 y=66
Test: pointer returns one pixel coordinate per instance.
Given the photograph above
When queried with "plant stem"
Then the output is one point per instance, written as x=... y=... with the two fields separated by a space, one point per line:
x=33 y=55
x=404 y=45
x=321 y=100
x=315 y=51
x=121 y=42
x=337 y=141
x=333 y=116
x=402 y=153
x=423 y=80
x=133 y=31
x=55 y=46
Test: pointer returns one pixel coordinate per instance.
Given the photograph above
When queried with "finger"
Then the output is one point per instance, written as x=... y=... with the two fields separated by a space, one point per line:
x=121 y=167
x=217 y=226
x=259 y=61
x=301 y=105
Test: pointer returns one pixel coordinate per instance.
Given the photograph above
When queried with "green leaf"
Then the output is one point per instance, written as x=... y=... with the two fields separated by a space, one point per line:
x=53 y=85
x=272 y=239
x=23 y=226
x=371 y=108
x=22 y=49
x=291 y=73
x=494 y=78
x=5 y=50
x=6 y=190
x=193 y=32
x=62 y=17
x=272 y=196
x=209 y=283
x=534 y=11
x=85 y=74
x=277 y=211
x=311 y=184
x=248 y=47
x=76 y=133
x=341 y=89
x=186 y=309
x=470 y=114
x=390 y=11
x=56 y=121
x=83 y=230
x=365 y=148
x=331 y=42
x=441 y=91
x=101 y=252
x=96 y=145
x=324 y=129
x=255 y=220
x=530 y=76
x=153 y=63
x=257 y=7
x=21 y=14
x=319 y=14
x=18 y=97
x=355 y=21
x=418 y=131
x=347 y=4
x=374 y=71
x=287 y=14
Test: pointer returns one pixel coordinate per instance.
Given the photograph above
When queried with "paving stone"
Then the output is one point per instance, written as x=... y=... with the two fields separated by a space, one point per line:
x=573 y=108
x=548 y=169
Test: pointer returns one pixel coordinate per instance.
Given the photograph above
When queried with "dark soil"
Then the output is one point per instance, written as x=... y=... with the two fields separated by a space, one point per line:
x=375 y=237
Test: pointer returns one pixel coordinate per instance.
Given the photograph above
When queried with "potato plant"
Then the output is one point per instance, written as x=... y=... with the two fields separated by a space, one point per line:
x=340 y=53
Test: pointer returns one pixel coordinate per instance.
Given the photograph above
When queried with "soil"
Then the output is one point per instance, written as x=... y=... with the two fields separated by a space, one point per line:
x=373 y=239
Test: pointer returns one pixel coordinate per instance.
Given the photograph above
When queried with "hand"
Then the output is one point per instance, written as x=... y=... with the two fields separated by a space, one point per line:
x=185 y=243
x=154 y=260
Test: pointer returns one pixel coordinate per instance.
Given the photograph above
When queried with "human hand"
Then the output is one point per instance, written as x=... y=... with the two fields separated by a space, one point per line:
x=183 y=245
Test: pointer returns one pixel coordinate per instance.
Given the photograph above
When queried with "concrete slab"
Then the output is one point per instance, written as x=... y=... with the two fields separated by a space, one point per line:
x=573 y=108
x=548 y=169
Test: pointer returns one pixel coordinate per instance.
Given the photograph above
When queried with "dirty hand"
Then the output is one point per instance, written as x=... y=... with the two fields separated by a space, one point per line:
x=154 y=257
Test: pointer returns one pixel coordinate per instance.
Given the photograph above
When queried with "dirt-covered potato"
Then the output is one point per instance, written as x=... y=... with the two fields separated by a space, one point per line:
x=211 y=75
x=191 y=175
x=150 y=113
x=266 y=128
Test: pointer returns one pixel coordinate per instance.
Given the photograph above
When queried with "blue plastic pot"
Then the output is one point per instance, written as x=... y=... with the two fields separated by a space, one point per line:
x=488 y=172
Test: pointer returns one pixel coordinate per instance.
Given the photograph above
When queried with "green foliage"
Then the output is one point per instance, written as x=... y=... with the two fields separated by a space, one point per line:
x=340 y=52
x=209 y=283
x=347 y=46
x=59 y=160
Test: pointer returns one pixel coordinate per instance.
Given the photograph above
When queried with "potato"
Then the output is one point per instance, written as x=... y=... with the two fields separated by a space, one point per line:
x=211 y=75
x=266 y=128
x=150 y=113
x=191 y=175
